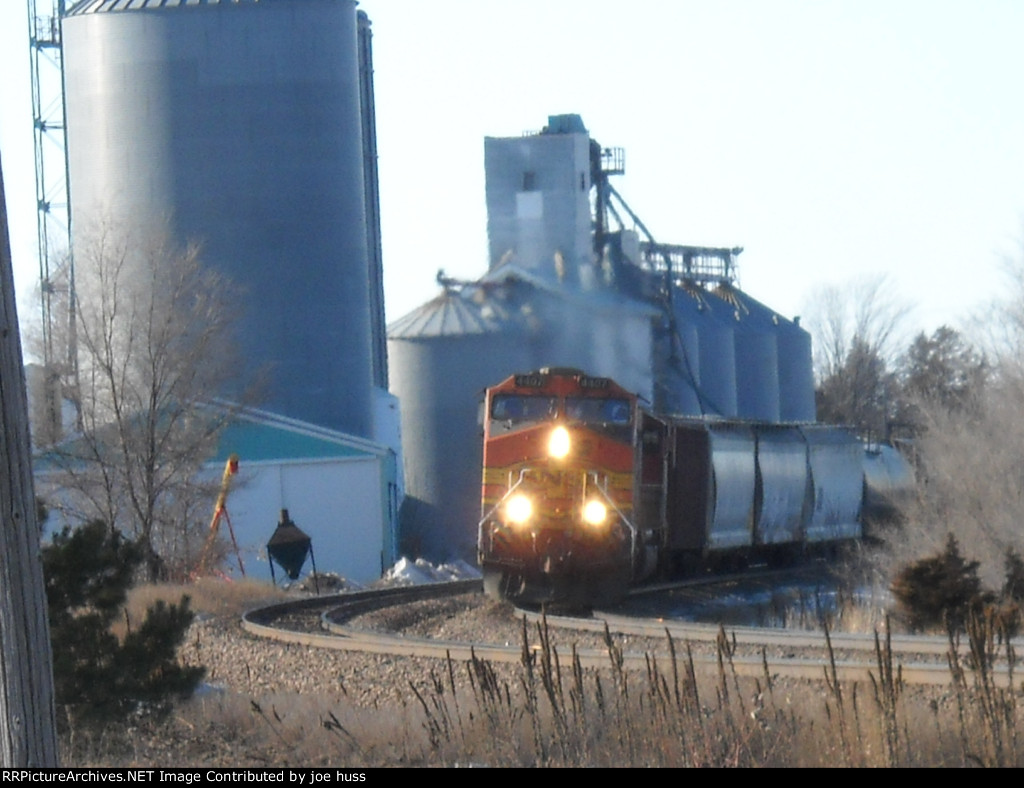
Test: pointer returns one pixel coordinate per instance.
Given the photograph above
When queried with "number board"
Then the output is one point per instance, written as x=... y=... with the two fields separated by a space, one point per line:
x=531 y=381
x=594 y=383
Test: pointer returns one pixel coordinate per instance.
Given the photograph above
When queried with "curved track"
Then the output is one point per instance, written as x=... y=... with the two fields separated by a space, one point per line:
x=325 y=622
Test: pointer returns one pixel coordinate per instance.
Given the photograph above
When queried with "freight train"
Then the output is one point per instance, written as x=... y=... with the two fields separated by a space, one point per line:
x=586 y=492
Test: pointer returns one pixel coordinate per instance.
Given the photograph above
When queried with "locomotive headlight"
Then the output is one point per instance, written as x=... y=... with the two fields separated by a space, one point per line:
x=518 y=510
x=595 y=513
x=559 y=443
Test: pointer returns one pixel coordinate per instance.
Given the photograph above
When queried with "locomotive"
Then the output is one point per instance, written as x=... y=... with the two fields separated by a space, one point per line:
x=586 y=492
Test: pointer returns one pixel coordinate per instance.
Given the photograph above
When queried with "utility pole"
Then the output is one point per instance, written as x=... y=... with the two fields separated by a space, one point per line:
x=27 y=719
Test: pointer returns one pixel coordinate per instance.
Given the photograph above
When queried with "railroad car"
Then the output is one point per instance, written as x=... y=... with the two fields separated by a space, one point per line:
x=586 y=492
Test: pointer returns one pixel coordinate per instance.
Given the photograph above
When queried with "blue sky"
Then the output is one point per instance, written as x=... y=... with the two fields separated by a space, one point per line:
x=830 y=138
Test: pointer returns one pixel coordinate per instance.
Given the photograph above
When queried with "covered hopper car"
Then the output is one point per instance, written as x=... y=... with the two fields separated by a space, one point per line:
x=587 y=493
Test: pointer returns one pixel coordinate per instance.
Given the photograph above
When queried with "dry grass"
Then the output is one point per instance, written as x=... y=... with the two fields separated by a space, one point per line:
x=208 y=596
x=552 y=712
x=211 y=595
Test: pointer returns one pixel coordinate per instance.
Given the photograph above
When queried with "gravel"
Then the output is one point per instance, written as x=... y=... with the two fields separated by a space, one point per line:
x=257 y=667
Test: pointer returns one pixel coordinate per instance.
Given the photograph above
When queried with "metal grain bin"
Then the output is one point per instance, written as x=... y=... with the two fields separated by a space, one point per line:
x=757 y=361
x=678 y=357
x=442 y=356
x=602 y=333
x=796 y=373
x=715 y=323
x=237 y=125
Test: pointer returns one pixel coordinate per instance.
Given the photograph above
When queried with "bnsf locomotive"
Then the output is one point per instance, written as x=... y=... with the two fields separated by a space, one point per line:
x=586 y=492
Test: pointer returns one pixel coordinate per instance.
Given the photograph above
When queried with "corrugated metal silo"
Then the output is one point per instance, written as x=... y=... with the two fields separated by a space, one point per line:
x=715 y=332
x=442 y=356
x=684 y=393
x=237 y=125
x=796 y=373
x=601 y=332
x=757 y=360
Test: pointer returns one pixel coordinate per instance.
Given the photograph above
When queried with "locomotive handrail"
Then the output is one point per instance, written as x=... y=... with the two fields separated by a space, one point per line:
x=511 y=489
x=607 y=497
x=633 y=531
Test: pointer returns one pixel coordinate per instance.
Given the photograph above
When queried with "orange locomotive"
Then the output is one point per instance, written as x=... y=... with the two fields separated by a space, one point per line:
x=560 y=488
x=586 y=493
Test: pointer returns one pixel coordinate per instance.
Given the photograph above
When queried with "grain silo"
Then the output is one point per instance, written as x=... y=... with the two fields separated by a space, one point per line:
x=757 y=356
x=683 y=393
x=442 y=356
x=601 y=332
x=716 y=331
x=237 y=125
x=796 y=372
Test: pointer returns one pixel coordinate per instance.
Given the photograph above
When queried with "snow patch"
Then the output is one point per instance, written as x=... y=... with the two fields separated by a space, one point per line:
x=420 y=572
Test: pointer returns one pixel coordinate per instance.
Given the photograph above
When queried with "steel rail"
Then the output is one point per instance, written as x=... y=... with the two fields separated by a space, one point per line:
x=336 y=633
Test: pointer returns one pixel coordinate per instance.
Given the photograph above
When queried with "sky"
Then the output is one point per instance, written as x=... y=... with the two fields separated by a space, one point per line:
x=834 y=140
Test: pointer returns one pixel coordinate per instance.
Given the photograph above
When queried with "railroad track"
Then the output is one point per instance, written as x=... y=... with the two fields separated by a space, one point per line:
x=327 y=622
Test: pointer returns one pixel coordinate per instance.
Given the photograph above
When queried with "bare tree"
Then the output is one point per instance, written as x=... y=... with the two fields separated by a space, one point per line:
x=27 y=723
x=856 y=332
x=865 y=313
x=155 y=349
x=1001 y=327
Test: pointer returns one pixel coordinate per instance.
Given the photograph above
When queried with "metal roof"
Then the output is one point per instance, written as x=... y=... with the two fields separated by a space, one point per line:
x=258 y=435
x=263 y=442
x=101 y=6
x=453 y=313
x=502 y=301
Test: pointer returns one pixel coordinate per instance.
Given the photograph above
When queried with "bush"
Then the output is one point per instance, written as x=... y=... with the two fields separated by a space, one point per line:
x=941 y=589
x=88 y=573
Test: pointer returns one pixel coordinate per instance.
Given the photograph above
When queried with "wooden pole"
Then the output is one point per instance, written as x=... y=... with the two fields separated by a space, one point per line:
x=27 y=720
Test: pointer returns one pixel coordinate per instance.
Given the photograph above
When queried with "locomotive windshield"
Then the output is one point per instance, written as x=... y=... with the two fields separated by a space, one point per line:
x=516 y=408
x=597 y=411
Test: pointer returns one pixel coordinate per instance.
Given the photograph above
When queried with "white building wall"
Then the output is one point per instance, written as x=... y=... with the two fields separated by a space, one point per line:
x=336 y=502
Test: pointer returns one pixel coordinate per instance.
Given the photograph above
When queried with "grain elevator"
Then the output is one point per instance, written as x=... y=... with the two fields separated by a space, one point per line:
x=575 y=279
